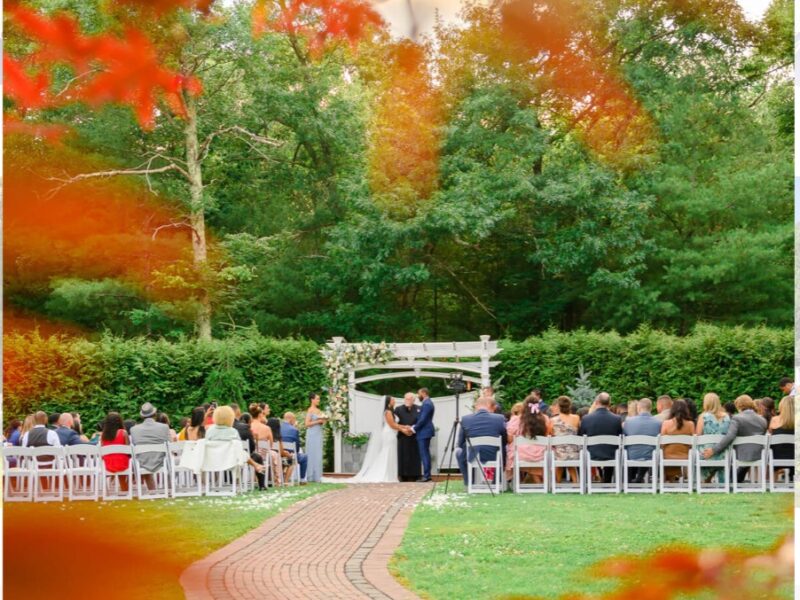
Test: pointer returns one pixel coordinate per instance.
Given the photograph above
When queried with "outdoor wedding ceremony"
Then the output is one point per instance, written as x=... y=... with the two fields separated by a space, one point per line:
x=400 y=299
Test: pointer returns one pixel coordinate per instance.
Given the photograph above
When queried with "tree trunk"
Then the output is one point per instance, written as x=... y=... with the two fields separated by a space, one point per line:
x=197 y=216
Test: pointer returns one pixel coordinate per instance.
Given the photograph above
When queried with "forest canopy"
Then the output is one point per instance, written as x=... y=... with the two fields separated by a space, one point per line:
x=542 y=163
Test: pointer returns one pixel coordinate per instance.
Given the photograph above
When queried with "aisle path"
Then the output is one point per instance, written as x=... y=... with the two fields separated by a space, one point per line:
x=331 y=545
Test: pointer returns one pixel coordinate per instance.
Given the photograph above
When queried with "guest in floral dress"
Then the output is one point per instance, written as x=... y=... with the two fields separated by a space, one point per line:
x=532 y=424
x=714 y=421
x=566 y=423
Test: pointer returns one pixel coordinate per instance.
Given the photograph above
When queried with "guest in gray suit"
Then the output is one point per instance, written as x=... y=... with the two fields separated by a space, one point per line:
x=149 y=432
x=643 y=423
x=745 y=423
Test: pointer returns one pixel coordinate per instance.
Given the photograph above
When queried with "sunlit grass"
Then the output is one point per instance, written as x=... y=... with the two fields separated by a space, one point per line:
x=482 y=547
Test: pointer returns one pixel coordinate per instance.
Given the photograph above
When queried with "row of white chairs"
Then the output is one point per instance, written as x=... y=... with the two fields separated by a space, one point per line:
x=762 y=473
x=49 y=473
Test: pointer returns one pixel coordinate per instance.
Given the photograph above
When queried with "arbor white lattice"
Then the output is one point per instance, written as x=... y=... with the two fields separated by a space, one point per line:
x=405 y=360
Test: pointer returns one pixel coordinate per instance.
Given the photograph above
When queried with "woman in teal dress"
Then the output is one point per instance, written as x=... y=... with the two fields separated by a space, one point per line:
x=714 y=421
x=315 y=421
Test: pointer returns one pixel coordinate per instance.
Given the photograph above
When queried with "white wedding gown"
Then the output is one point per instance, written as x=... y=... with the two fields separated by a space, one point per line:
x=380 y=461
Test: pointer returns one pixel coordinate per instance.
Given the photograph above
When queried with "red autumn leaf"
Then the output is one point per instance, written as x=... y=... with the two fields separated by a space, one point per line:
x=165 y=6
x=107 y=68
x=319 y=21
x=23 y=89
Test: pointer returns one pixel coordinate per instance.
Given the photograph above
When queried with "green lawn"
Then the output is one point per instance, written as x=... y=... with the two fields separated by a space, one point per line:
x=479 y=546
x=142 y=546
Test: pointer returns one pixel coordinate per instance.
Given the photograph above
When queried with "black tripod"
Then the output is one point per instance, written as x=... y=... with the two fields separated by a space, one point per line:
x=457 y=386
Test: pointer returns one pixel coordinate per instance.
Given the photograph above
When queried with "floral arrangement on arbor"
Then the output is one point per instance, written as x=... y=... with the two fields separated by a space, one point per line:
x=338 y=361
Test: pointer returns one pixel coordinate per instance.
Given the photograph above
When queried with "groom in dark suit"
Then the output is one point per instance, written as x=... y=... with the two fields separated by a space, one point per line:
x=424 y=430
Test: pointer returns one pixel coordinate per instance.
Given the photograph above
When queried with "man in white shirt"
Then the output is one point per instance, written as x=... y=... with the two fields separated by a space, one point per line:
x=40 y=435
x=787 y=386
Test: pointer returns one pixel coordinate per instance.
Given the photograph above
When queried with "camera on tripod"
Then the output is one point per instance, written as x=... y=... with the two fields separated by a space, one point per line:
x=456 y=383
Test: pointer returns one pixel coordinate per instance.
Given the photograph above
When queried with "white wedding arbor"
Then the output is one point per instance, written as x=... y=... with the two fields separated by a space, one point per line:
x=426 y=359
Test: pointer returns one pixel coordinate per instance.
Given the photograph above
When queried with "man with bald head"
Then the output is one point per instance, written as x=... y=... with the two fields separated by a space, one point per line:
x=65 y=432
x=602 y=422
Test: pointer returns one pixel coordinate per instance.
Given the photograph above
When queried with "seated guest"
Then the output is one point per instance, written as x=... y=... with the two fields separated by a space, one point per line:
x=537 y=393
x=149 y=431
x=66 y=434
x=583 y=411
x=633 y=408
x=52 y=420
x=692 y=406
x=766 y=408
x=643 y=423
x=602 y=422
x=532 y=424
x=98 y=432
x=274 y=423
x=565 y=423
x=679 y=423
x=783 y=424
x=164 y=418
x=714 y=421
x=12 y=433
x=481 y=423
x=223 y=430
x=246 y=419
x=27 y=424
x=730 y=408
x=246 y=435
x=290 y=433
x=663 y=406
x=129 y=424
x=746 y=422
x=77 y=425
x=40 y=435
x=262 y=433
x=114 y=434
x=196 y=429
x=210 y=413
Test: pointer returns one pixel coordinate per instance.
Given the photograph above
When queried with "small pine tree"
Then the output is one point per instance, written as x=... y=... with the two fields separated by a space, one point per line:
x=583 y=394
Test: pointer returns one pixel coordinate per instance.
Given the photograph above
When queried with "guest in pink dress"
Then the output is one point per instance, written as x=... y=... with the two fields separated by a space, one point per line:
x=531 y=423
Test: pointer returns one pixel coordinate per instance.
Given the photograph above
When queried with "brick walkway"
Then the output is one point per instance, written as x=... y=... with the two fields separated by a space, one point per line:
x=331 y=545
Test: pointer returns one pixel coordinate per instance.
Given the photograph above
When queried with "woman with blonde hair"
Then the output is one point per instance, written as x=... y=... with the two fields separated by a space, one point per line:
x=27 y=425
x=516 y=410
x=783 y=424
x=633 y=408
x=223 y=430
x=715 y=420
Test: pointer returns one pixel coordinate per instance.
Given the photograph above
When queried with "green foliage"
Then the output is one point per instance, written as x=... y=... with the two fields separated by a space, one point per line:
x=92 y=378
x=56 y=374
x=646 y=363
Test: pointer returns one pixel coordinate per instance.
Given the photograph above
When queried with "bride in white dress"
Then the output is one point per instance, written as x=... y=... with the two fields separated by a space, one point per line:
x=380 y=461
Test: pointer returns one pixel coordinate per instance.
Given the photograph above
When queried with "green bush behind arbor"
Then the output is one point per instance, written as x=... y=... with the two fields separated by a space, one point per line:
x=93 y=377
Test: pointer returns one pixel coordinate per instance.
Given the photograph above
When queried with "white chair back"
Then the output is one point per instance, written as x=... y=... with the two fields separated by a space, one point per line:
x=48 y=473
x=83 y=472
x=17 y=474
x=757 y=469
x=478 y=485
x=651 y=464
x=579 y=442
x=615 y=486
x=112 y=486
x=517 y=485
x=776 y=466
x=686 y=465
x=710 y=468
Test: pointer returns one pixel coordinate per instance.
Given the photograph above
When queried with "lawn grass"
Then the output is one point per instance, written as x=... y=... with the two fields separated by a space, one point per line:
x=484 y=547
x=130 y=549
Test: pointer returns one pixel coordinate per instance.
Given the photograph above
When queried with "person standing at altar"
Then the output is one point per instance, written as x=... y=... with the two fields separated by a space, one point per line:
x=425 y=430
x=408 y=461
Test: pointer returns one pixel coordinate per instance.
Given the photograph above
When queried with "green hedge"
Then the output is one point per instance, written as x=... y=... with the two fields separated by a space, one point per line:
x=57 y=374
x=727 y=360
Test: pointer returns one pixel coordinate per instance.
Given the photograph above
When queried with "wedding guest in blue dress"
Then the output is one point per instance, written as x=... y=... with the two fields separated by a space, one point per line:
x=315 y=421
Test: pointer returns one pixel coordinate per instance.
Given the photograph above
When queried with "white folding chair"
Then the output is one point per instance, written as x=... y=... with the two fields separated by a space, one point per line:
x=83 y=472
x=614 y=487
x=632 y=463
x=518 y=486
x=111 y=486
x=17 y=474
x=248 y=480
x=685 y=482
x=183 y=481
x=160 y=476
x=48 y=473
x=757 y=468
x=782 y=464
x=476 y=485
x=223 y=481
x=295 y=476
x=723 y=464
x=566 y=464
x=263 y=449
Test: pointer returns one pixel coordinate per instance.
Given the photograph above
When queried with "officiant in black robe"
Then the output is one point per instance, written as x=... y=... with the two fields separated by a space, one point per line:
x=408 y=461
